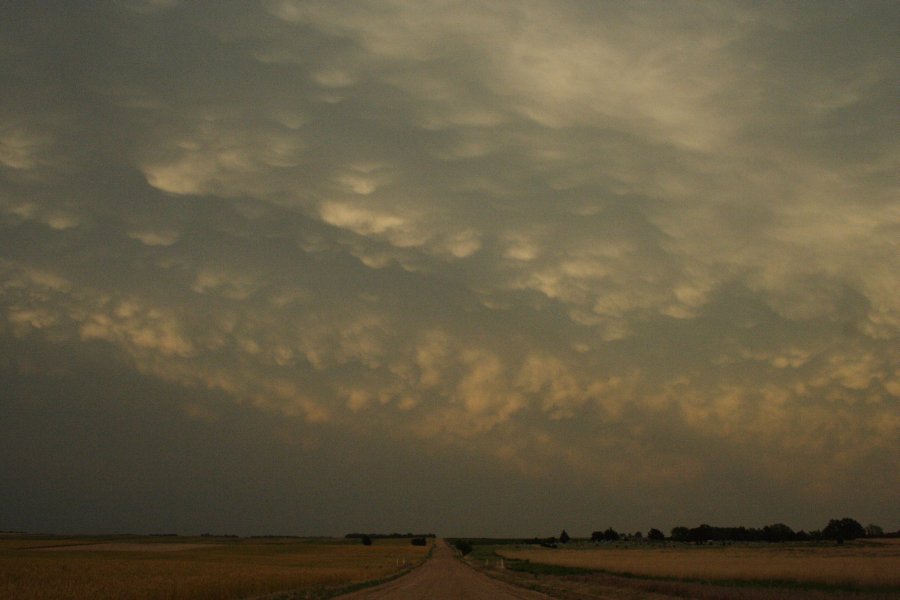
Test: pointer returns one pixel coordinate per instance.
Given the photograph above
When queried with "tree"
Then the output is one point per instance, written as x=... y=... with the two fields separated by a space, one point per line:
x=610 y=535
x=704 y=533
x=844 y=529
x=366 y=540
x=680 y=534
x=779 y=532
x=874 y=531
x=655 y=535
x=564 y=537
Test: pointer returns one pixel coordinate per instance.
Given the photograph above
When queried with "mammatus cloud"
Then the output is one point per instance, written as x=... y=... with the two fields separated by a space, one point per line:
x=598 y=240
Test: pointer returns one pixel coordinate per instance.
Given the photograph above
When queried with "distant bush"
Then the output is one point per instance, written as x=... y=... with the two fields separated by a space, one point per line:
x=463 y=546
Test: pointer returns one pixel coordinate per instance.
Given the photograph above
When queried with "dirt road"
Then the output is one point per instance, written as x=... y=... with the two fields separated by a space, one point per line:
x=443 y=577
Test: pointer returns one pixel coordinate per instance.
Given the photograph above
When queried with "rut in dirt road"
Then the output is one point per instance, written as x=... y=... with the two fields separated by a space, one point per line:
x=443 y=577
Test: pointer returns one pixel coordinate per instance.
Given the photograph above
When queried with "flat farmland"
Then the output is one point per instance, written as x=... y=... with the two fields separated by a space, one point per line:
x=860 y=567
x=56 y=568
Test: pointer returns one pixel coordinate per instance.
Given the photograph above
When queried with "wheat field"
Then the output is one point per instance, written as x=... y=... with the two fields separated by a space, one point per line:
x=858 y=564
x=176 y=569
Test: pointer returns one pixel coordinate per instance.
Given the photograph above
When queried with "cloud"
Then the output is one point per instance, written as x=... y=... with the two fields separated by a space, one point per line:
x=19 y=149
x=628 y=244
x=219 y=158
x=155 y=238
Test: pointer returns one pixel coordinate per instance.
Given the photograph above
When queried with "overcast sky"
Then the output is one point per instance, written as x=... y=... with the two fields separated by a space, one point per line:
x=477 y=268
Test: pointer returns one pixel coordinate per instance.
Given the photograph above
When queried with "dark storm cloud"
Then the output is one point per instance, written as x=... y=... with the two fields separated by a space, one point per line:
x=583 y=242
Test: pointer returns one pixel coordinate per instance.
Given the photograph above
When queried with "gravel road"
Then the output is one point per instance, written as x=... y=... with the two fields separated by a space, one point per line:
x=443 y=577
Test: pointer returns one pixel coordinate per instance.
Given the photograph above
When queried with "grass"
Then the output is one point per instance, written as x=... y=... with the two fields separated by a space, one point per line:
x=525 y=566
x=858 y=566
x=203 y=568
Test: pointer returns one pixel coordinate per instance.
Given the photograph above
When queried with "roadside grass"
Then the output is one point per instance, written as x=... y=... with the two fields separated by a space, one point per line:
x=525 y=566
x=851 y=567
x=207 y=569
x=610 y=587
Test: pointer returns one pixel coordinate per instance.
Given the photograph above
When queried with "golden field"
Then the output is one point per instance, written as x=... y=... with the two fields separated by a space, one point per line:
x=179 y=568
x=858 y=564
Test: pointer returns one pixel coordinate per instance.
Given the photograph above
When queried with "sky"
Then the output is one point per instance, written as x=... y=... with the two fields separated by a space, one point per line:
x=471 y=268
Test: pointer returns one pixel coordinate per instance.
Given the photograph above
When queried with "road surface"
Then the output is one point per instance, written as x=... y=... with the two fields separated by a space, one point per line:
x=443 y=577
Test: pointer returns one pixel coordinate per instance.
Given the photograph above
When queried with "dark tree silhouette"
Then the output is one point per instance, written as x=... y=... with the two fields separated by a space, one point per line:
x=874 y=531
x=610 y=535
x=463 y=546
x=564 y=537
x=779 y=532
x=655 y=535
x=843 y=529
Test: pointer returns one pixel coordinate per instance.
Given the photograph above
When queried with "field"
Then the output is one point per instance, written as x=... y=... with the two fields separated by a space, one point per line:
x=749 y=571
x=174 y=568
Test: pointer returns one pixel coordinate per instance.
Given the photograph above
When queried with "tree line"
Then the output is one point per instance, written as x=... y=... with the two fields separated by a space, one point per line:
x=387 y=536
x=836 y=529
x=417 y=539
